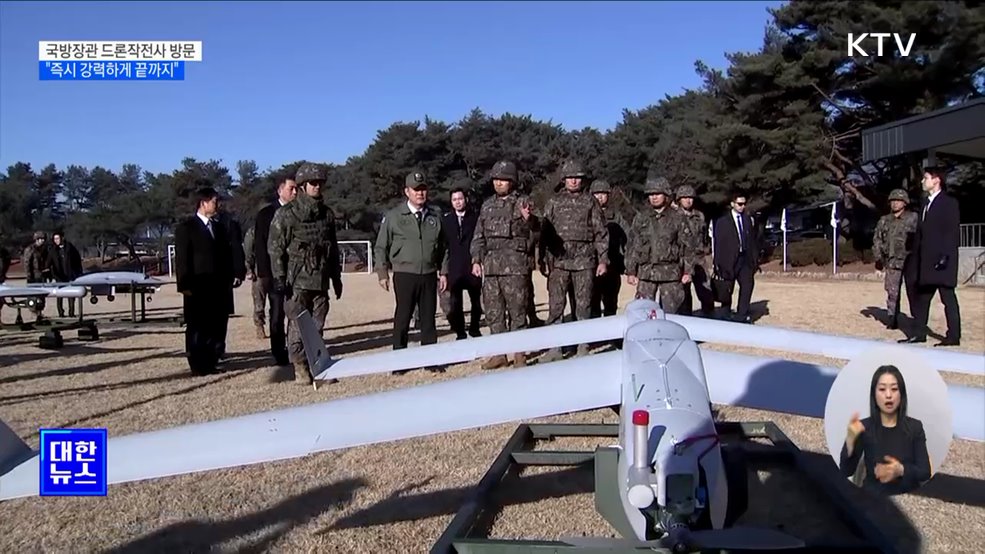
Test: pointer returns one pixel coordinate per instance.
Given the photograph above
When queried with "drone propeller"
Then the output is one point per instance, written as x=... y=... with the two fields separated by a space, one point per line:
x=733 y=538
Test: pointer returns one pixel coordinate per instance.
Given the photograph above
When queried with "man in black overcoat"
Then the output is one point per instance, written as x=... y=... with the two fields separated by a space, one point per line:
x=935 y=260
x=459 y=226
x=204 y=275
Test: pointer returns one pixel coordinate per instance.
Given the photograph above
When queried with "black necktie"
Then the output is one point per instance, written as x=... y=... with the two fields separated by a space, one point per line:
x=420 y=216
x=742 y=235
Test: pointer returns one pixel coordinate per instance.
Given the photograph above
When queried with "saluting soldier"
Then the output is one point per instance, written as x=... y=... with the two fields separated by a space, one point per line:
x=891 y=248
x=501 y=249
x=411 y=243
x=605 y=292
x=305 y=260
x=656 y=260
x=697 y=246
x=574 y=248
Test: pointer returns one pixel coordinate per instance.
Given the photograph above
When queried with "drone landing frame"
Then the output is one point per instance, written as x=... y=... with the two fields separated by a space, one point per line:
x=463 y=534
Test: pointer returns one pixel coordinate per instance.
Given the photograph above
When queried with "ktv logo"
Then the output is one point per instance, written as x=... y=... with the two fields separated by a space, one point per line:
x=855 y=43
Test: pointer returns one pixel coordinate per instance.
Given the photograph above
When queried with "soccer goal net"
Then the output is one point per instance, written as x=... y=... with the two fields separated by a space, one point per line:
x=357 y=257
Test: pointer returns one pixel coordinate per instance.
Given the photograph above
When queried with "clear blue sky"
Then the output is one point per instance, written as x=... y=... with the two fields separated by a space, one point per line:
x=282 y=81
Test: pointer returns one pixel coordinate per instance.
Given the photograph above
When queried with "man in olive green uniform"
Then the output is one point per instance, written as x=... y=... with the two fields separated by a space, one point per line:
x=256 y=286
x=500 y=251
x=411 y=243
x=656 y=259
x=605 y=292
x=34 y=260
x=305 y=260
x=574 y=248
x=891 y=247
x=696 y=248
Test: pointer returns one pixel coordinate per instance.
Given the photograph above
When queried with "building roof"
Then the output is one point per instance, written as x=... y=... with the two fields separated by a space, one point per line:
x=957 y=131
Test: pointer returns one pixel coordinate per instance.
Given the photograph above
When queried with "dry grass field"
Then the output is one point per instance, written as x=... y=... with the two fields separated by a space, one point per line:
x=398 y=496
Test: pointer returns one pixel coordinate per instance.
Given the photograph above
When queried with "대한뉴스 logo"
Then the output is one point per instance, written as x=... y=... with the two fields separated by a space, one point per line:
x=855 y=43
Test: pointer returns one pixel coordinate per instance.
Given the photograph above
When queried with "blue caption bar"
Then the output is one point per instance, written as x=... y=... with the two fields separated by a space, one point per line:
x=73 y=462
x=76 y=70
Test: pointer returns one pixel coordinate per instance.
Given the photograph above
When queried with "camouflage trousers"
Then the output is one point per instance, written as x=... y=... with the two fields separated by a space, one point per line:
x=558 y=283
x=259 y=290
x=893 y=281
x=504 y=299
x=316 y=303
x=671 y=294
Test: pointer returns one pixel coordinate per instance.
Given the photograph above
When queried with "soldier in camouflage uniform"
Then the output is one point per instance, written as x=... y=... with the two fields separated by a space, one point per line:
x=697 y=247
x=605 y=292
x=305 y=260
x=891 y=248
x=500 y=250
x=574 y=247
x=256 y=286
x=34 y=260
x=656 y=258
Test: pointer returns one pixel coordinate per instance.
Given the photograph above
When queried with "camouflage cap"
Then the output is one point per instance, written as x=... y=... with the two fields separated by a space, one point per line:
x=899 y=194
x=600 y=186
x=685 y=191
x=311 y=172
x=504 y=170
x=657 y=185
x=40 y=235
x=572 y=168
x=416 y=180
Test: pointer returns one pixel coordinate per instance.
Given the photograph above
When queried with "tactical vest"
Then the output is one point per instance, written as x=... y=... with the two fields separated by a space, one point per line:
x=663 y=231
x=502 y=226
x=312 y=233
x=572 y=215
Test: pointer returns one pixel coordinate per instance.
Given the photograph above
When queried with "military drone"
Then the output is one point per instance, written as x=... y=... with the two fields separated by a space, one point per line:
x=672 y=487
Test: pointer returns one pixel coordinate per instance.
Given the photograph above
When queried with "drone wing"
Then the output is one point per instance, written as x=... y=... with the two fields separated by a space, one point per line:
x=42 y=291
x=833 y=346
x=501 y=397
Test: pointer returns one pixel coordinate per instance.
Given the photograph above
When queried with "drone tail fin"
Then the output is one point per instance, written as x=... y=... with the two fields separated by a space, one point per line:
x=315 y=348
x=13 y=451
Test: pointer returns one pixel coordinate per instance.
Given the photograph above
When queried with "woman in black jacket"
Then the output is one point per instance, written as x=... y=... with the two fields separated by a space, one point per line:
x=892 y=444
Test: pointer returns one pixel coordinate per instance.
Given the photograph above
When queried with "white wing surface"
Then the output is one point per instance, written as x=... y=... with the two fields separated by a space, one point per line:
x=537 y=391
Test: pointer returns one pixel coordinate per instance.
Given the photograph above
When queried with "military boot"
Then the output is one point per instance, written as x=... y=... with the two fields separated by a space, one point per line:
x=893 y=323
x=552 y=355
x=302 y=375
x=519 y=359
x=495 y=362
x=582 y=350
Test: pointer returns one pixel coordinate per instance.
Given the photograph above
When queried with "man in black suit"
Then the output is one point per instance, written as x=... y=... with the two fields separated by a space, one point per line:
x=459 y=226
x=736 y=256
x=938 y=238
x=287 y=189
x=204 y=276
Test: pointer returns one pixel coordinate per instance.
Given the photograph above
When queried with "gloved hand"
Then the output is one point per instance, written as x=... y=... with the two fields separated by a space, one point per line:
x=941 y=263
x=337 y=286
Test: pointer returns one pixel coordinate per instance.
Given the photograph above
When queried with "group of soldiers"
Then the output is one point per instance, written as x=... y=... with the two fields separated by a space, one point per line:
x=583 y=247
x=577 y=241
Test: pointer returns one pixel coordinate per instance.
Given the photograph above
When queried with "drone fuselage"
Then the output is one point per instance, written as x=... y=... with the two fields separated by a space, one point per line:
x=666 y=410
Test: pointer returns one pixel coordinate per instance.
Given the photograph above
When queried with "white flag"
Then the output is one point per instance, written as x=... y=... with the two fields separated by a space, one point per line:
x=783 y=220
x=834 y=215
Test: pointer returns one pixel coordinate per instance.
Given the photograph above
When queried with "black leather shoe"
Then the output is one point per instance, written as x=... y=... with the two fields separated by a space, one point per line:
x=949 y=342
x=912 y=340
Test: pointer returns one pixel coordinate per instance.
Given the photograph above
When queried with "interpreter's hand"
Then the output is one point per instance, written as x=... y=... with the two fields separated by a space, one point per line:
x=633 y=280
x=477 y=270
x=855 y=428
x=889 y=469
x=442 y=283
x=685 y=278
x=385 y=284
x=601 y=269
